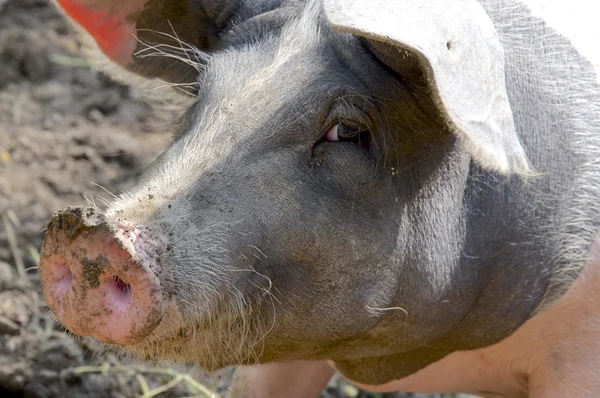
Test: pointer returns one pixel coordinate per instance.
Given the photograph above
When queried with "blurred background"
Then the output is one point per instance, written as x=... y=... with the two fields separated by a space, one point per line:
x=66 y=131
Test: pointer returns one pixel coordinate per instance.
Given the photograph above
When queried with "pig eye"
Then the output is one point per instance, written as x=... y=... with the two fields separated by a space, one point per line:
x=344 y=133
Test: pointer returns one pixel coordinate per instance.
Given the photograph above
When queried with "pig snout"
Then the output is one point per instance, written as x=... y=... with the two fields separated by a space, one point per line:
x=96 y=278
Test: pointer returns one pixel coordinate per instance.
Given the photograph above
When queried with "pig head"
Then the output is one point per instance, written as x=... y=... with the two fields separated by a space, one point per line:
x=350 y=184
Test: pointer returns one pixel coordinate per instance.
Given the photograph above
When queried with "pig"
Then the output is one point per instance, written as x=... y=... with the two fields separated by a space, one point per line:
x=406 y=192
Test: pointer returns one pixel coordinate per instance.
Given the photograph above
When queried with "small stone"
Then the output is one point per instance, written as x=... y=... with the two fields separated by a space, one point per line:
x=15 y=306
x=7 y=275
x=9 y=327
x=95 y=115
x=351 y=391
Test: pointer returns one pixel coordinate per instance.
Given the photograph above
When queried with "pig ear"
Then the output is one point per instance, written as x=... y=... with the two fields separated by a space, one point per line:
x=457 y=47
x=152 y=38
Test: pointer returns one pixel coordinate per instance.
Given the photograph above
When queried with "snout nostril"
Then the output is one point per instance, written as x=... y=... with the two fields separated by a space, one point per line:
x=125 y=288
x=120 y=287
x=63 y=277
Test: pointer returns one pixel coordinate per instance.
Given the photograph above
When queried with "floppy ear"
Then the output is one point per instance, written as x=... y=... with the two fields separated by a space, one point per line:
x=457 y=47
x=132 y=32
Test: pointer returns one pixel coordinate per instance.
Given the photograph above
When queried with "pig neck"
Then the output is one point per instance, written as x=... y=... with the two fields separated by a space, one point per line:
x=554 y=354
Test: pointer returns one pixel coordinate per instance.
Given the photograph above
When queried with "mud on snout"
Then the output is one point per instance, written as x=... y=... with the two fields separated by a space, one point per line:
x=96 y=281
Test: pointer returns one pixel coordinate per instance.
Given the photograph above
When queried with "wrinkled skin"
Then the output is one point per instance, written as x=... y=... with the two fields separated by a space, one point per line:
x=271 y=241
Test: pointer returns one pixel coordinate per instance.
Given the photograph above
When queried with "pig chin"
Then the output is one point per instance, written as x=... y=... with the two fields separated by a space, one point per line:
x=211 y=347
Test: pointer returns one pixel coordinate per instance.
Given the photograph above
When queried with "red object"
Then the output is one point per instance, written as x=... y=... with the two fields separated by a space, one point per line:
x=112 y=29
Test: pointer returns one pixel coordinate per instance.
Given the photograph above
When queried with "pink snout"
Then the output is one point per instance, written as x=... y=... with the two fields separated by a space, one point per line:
x=92 y=280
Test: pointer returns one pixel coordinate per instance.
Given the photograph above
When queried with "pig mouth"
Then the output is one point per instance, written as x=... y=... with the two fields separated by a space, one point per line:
x=99 y=281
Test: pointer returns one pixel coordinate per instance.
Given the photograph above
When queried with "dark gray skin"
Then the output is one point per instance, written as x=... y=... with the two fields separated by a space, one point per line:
x=383 y=255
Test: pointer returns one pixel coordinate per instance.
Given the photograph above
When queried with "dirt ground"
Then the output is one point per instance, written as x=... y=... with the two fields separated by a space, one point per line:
x=65 y=132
